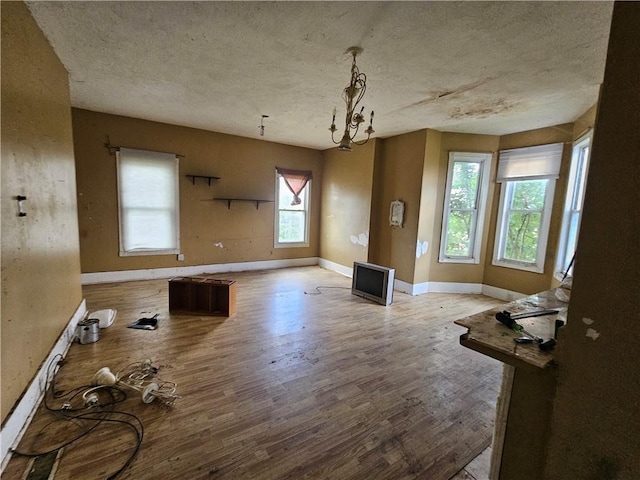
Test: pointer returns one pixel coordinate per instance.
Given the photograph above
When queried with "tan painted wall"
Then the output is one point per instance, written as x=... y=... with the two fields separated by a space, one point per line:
x=585 y=122
x=247 y=170
x=456 y=272
x=427 y=241
x=398 y=176
x=519 y=280
x=594 y=432
x=346 y=204
x=40 y=261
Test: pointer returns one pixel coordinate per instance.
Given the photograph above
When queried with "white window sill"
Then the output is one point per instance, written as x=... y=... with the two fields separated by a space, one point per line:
x=471 y=261
x=527 y=267
x=136 y=253
x=290 y=245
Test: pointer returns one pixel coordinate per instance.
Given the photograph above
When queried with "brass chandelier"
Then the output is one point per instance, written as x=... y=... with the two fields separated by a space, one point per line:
x=352 y=95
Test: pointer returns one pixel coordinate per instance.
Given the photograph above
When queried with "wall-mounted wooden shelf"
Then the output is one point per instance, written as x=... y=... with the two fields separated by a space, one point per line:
x=207 y=177
x=254 y=200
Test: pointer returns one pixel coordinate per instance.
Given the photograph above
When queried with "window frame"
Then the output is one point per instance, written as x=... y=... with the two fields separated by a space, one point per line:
x=478 y=212
x=306 y=199
x=576 y=186
x=161 y=157
x=506 y=195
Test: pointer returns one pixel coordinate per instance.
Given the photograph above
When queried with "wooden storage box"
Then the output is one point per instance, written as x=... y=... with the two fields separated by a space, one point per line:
x=202 y=296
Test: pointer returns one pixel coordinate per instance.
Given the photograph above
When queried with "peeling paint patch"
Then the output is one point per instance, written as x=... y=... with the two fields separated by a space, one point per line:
x=218 y=244
x=592 y=334
x=587 y=321
x=421 y=248
x=361 y=239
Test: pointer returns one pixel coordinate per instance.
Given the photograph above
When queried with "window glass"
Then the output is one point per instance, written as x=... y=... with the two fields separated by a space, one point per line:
x=292 y=218
x=523 y=224
x=464 y=207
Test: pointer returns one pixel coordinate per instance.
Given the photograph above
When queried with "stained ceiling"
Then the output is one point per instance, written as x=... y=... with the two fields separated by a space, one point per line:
x=474 y=67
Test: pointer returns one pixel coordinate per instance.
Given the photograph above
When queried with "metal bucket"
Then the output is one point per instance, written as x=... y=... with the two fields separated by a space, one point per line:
x=88 y=330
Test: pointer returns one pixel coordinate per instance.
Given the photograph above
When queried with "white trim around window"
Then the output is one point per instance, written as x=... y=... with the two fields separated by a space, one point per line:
x=291 y=223
x=527 y=178
x=507 y=212
x=572 y=214
x=148 y=203
x=464 y=207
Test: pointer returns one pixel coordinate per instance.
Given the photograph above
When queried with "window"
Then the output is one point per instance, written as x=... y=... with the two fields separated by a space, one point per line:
x=465 y=198
x=528 y=179
x=148 y=202
x=292 y=213
x=573 y=204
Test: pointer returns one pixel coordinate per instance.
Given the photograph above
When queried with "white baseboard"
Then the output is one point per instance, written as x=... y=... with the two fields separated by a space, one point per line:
x=155 y=273
x=406 y=287
x=20 y=417
x=501 y=293
x=336 y=267
x=433 y=287
x=454 y=287
x=437 y=287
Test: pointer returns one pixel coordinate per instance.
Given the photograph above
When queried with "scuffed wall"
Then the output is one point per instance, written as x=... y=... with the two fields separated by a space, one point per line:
x=398 y=176
x=427 y=243
x=346 y=204
x=594 y=432
x=211 y=231
x=40 y=254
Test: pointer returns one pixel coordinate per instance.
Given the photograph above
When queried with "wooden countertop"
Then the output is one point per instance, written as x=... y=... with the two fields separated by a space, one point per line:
x=490 y=337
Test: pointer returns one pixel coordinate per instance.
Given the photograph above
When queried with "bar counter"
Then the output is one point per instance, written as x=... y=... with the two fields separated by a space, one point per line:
x=525 y=403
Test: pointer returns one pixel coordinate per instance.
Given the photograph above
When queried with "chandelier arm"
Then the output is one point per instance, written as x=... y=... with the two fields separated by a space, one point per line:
x=361 y=142
x=333 y=140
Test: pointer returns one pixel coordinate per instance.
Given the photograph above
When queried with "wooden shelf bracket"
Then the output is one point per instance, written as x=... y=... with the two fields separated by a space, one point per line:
x=207 y=177
x=253 y=200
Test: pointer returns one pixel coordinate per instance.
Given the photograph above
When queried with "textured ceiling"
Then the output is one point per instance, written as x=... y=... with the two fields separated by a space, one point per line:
x=474 y=67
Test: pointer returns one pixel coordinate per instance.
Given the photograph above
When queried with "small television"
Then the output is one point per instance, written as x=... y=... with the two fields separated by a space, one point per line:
x=373 y=282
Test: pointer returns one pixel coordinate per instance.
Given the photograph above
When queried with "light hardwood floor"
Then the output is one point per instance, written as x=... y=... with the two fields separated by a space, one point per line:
x=294 y=386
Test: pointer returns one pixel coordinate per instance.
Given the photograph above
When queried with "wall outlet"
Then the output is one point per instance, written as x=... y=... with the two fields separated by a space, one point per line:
x=181 y=257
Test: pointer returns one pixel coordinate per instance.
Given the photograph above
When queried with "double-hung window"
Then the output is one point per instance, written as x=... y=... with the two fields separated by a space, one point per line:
x=292 y=213
x=148 y=202
x=464 y=204
x=527 y=177
x=573 y=204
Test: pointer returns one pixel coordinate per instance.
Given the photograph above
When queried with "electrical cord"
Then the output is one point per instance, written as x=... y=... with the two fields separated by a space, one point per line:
x=89 y=414
x=139 y=434
x=318 y=292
